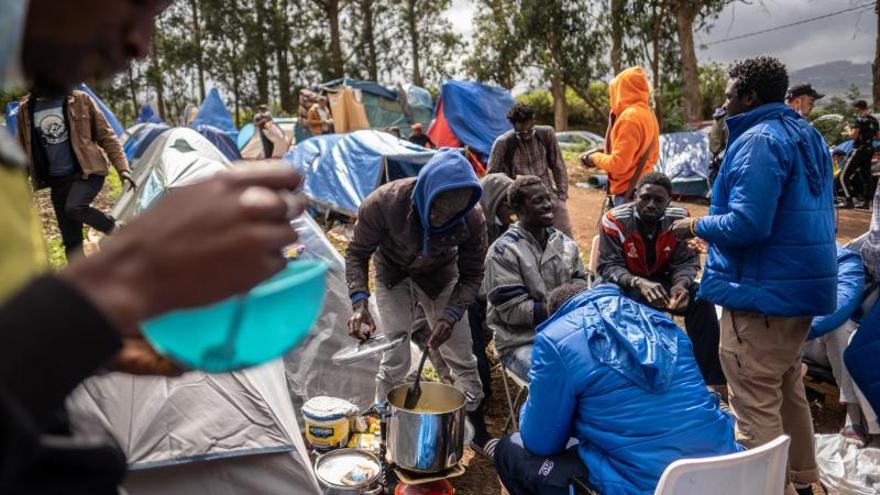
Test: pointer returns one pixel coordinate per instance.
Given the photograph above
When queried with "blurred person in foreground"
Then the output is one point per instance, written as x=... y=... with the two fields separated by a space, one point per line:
x=772 y=261
x=615 y=396
x=632 y=141
x=56 y=330
x=419 y=137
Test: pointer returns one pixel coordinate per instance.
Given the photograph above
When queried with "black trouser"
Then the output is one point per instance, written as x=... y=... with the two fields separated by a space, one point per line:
x=701 y=325
x=523 y=473
x=855 y=175
x=72 y=197
x=480 y=339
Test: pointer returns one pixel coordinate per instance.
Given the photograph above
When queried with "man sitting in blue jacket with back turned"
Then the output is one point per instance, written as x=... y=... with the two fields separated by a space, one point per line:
x=619 y=378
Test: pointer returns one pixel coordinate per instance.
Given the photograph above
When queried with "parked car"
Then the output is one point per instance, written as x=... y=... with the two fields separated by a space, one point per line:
x=579 y=140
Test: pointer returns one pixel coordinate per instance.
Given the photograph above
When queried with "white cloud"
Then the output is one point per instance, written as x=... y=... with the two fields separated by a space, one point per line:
x=461 y=15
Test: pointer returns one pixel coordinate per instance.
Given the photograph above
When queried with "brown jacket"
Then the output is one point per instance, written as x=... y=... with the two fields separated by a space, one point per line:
x=389 y=225
x=92 y=138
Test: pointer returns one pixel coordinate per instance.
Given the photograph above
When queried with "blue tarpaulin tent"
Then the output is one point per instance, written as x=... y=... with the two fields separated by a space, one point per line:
x=12 y=113
x=213 y=112
x=148 y=116
x=342 y=169
x=684 y=157
x=476 y=114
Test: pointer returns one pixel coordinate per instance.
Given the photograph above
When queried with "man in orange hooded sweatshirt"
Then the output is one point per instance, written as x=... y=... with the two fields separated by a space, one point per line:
x=632 y=142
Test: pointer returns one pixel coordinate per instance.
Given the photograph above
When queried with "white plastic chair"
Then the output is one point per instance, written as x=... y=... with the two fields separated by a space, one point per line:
x=759 y=471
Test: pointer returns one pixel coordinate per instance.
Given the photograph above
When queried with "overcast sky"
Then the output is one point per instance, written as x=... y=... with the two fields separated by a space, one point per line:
x=848 y=36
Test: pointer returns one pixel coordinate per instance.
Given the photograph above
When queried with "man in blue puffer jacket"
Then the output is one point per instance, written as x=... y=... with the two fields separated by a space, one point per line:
x=621 y=379
x=772 y=258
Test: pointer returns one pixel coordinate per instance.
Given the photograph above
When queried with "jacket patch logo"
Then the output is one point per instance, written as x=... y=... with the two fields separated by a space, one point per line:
x=546 y=468
x=631 y=251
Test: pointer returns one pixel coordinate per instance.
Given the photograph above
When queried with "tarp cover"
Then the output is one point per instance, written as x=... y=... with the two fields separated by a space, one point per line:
x=220 y=139
x=176 y=158
x=476 y=113
x=342 y=169
x=139 y=138
x=369 y=87
x=148 y=116
x=310 y=372
x=12 y=113
x=214 y=112
x=846 y=468
x=684 y=157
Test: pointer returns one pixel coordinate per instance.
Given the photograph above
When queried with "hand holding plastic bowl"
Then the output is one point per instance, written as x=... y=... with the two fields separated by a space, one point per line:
x=245 y=330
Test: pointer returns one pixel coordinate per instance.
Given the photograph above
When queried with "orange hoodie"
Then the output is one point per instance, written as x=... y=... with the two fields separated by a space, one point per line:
x=634 y=129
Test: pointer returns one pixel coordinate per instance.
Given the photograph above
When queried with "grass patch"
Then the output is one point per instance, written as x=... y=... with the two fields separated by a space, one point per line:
x=113 y=185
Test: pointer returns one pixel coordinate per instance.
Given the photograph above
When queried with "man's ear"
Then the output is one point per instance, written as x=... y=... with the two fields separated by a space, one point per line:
x=751 y=99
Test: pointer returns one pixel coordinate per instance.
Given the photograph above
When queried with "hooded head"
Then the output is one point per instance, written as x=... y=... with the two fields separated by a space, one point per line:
x=495 y=187
x=629 y=88
x=450 y=173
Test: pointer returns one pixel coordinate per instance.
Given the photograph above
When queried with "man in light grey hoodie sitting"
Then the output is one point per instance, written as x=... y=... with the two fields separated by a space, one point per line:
x=522 y=267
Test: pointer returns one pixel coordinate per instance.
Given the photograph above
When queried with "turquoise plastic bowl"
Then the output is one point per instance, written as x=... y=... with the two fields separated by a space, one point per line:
x=272 y=318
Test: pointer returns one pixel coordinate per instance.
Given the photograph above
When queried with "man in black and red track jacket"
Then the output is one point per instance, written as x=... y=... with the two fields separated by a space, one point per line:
x=639 y=253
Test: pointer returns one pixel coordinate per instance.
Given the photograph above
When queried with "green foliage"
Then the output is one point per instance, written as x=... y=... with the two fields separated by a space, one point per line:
x=57 y=258
x=113 y=185
x=581 y=115
x=713 y=80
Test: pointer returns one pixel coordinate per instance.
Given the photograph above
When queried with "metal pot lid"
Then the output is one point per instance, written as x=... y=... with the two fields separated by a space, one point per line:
x=366 y=349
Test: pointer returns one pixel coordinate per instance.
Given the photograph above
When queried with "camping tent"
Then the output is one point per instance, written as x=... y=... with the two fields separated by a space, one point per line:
x=12 y=113
x=177 y=157
x=384 y=106
x=684 y=157
x=220 y=139
x=243 y=422
x=138 y=138
x=148 y=116
x=470 y=114
x=342 y=169
x=213 y=112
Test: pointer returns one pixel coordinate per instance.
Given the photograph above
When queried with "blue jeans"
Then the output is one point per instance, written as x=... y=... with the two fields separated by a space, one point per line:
x=519 y=360
x=523 y=473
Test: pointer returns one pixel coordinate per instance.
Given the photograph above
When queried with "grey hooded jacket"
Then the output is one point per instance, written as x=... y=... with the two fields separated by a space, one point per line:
x=520 y=275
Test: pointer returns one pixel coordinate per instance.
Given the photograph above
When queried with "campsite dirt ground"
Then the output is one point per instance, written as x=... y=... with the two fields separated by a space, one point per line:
x=584 y=206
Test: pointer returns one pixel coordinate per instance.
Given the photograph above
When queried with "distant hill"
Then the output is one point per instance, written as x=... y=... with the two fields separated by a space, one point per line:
x=835 y=78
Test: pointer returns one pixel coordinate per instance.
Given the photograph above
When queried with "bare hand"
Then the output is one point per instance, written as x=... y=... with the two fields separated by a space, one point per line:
x=698 y=245
x=126 y=178
x=654 y=292
x=137 y=357
x=359 y=319
x=196 y=246
x=680 y=298
x=681 y=229
x=440 y=334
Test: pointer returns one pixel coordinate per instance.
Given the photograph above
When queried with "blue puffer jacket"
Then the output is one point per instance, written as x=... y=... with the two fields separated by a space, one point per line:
x=861 y=356
x=850 y=289
x=622 y=379
x=771 y=225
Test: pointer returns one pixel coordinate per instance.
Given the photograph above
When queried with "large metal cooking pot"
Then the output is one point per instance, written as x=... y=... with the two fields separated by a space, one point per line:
x=430 y=437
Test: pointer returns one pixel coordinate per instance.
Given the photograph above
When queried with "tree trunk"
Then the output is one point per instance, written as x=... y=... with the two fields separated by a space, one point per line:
x=197 y=39
x=282 y=44
x=412 y=27
x=617 y=13
x=236 y=85
x=369 y=40
x=157 y=79
x=132 y=89
x=876 y=87
x=560 y=105
x=262 y=51
x=692 y=99
x=336 y=60
x=655 y=66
